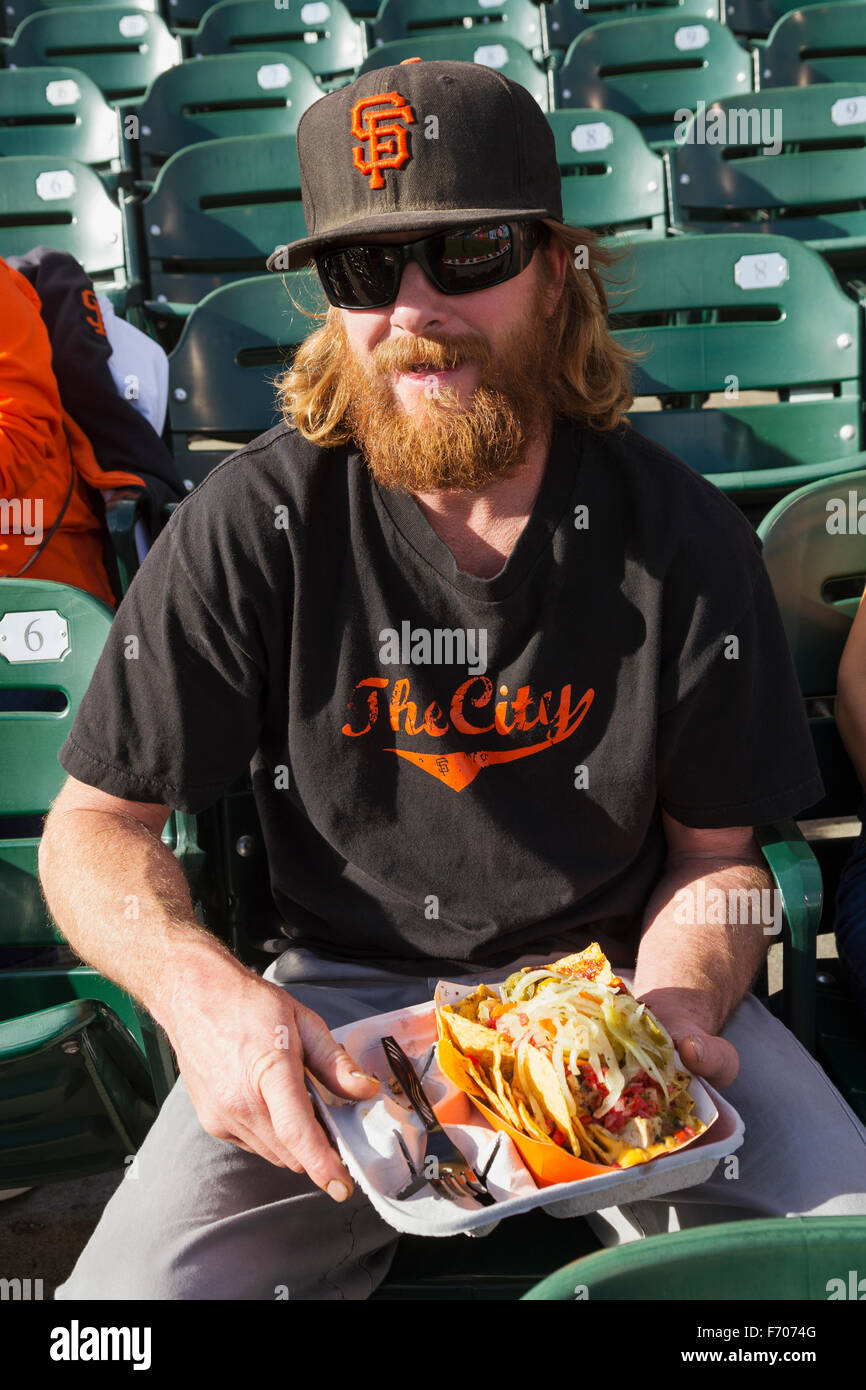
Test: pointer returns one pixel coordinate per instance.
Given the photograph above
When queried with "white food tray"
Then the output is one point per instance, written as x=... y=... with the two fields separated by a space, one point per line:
x=366 y=1135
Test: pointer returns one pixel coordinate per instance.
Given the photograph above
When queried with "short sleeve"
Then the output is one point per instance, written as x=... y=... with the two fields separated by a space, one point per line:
x=734 y=746
x=172 y=713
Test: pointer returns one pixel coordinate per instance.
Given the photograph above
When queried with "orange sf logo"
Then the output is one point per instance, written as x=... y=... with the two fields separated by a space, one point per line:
x=386 y=131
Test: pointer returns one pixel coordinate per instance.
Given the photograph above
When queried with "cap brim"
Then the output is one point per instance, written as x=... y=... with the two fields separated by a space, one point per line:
x=298 y=253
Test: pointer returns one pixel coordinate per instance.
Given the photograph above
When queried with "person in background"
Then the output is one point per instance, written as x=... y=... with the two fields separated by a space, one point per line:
x=851 y=723
x=68 y=437
x=49 y=528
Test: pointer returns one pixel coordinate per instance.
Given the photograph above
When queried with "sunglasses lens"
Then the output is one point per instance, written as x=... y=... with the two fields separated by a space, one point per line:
x=360 y=277
x=458 y=262
x=473 y=258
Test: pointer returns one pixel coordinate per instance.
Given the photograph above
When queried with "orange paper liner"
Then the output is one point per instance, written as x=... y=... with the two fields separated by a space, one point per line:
x=548 y=1163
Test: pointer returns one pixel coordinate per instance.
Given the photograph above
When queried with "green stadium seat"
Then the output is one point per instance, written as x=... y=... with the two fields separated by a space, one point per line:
x=723 y=318
x=815 y=555
x=565 y=19
x=121 y=48
x=815 y=43
x=184 y=15
x=14 y=11
x=59 y=112
x=324 y=36
x=216 y=212
x=229 y=94
x=611 y=180
x=818 y=575
x=783 y=1258
x=649 y=69
x=221 y=373
x=59 y=202
x=508 y=57
x=813 y=189
x=754 y=19
x=487 y=20
x=82 y=1069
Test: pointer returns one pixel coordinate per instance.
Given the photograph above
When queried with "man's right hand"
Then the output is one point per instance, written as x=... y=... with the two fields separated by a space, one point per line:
x=242 y=1045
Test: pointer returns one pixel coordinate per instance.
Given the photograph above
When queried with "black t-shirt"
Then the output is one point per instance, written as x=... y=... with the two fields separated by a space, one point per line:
x=451 y=768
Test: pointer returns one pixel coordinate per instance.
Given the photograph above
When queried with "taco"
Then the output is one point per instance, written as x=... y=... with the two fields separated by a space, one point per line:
x=567 y=1052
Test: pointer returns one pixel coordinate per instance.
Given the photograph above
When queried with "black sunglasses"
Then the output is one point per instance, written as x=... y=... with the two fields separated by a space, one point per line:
x=457 y=262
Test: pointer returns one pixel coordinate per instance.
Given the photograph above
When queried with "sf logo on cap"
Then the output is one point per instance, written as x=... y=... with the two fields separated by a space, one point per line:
x=385 y=129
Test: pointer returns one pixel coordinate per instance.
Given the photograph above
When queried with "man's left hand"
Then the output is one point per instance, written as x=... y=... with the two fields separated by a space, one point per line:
x=702 y=1052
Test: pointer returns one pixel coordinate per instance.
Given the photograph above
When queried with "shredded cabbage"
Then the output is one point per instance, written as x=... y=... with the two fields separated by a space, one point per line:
x=595 y=1023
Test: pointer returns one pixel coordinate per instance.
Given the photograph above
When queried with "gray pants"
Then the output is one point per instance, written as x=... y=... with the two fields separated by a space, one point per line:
x=199 y=1218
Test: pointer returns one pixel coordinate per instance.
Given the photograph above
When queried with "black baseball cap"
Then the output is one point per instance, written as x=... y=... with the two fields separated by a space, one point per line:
x=423 y=146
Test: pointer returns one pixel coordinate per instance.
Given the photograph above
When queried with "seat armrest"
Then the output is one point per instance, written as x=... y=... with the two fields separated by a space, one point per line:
x=798 y=881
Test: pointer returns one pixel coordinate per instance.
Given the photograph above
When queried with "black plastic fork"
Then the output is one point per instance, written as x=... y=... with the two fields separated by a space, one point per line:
x=454 y=1176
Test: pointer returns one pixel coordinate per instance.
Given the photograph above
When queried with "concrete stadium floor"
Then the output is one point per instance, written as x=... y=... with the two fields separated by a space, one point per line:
x=43 y=1231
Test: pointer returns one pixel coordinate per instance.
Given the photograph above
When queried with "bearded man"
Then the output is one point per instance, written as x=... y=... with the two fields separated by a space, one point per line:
x=455 y=459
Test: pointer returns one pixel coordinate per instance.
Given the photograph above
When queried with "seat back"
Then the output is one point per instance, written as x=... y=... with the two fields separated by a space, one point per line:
x=722 y=316
x=52 y=636
x=565 y=19
x=15 y=11
x=812 y=186
x=59 y=202
x=815 y=43
x=217 y=211
x=794 y=1256
x=221 y=374
x=59 y=112
x=649 y=69
x=120 y=47
x=228 y=94
x=611 y=180
x=324 y=36
x=506 y=56
x=815 y=552
x=489 y=20
x=754 y=19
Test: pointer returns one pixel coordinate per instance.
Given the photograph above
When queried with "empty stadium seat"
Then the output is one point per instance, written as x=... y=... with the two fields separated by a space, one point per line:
x=489 y=20
x=221 y=373
x=816 y=559
x=611 y=180
x=14 y=11
x=227 y=94
x=728 y=316
x=47 y=201
x=649 y=69
x=184 y=15
x=59 y=112
x=324 y=36
x=121 y=48
x=508 y=57
x=76 y=1094
x=565 y=19
x=216 y=213
x=795 y=1257
x=751 y=19
x=817 y=43
x=813 y=188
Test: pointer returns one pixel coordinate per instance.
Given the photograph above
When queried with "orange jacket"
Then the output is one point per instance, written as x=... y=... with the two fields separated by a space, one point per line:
x=41 y=447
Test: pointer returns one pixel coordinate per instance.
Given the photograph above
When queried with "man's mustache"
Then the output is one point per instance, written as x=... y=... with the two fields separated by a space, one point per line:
x=439 y=354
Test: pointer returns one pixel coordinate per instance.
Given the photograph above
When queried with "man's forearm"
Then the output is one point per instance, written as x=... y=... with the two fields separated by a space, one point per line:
x=120 y=898
x=704 y=941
